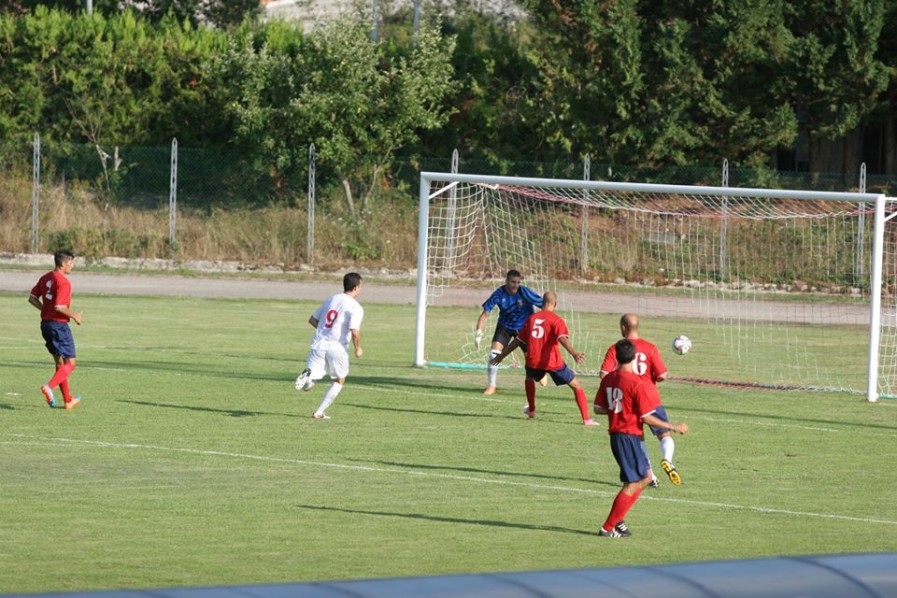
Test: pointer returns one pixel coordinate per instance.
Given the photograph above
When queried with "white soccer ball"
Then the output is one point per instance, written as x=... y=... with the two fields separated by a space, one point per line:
x=681 y=344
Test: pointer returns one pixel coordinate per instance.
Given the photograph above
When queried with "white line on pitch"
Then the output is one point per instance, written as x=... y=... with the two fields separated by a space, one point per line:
x=43 y=440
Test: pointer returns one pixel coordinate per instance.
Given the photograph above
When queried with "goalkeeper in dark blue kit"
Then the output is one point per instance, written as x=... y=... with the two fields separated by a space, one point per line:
x=515 y=304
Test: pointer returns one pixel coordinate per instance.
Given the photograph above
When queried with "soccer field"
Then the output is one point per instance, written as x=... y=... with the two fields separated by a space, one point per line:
x=192 y=461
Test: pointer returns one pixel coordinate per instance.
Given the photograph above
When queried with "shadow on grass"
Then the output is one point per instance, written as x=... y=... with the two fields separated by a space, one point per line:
x=575 y=421
x=782 y=418
x=390 y=382
x=228 y=412
x=216 y=370
x=455 y=520
x=424 y=411
x=540 y=476
x=7 y=407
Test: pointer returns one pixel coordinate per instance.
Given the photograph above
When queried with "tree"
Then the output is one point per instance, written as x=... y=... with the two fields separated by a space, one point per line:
x=839 y=77
x=357 y=100
x=660 y=82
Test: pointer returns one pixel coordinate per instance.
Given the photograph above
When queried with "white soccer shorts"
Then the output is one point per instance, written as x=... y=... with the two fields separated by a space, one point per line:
x=328 y=361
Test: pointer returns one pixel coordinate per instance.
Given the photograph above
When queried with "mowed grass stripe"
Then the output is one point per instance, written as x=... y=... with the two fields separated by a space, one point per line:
x=425 y=474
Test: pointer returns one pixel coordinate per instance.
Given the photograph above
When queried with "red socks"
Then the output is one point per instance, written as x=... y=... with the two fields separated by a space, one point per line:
x=530 y=386
x=582 y=402
x=621 y=506
x=62 y=374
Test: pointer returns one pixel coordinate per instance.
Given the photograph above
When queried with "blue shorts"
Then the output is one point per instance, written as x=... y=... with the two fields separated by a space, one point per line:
x=58 y=338
x=633 y=461
x=562 y=376
x=660 y=413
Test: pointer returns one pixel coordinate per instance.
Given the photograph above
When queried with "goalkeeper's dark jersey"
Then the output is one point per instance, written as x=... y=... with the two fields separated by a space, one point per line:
x=513 y=310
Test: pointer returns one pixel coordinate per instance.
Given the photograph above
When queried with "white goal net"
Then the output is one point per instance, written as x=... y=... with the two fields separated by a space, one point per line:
x=775 y=288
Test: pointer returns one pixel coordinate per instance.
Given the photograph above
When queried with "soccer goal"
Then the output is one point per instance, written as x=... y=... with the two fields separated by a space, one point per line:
x=775 y=288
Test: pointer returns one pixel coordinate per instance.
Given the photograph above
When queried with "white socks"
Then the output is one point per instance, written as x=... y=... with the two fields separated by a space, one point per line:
x=329 y=397
x=667 y=447
x=493 y=369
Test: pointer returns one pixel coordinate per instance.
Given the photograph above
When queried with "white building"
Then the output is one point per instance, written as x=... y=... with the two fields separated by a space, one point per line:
x=313 y=12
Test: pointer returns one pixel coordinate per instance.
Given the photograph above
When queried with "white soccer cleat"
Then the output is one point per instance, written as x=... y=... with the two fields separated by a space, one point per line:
x=528 y=413
x=302 y=382
x=320 y=416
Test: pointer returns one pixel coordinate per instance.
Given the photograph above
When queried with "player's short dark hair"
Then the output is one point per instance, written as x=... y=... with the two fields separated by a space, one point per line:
x=351 y=281
x=513 y=274
x=62 y=256
x=625 y=351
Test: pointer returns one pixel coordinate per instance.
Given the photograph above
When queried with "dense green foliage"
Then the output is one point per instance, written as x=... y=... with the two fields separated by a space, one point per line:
x=648 y=82
x=266 y=91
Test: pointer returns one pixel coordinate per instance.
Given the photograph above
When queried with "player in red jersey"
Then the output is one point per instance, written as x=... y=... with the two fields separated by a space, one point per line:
x=629 y=401
x=52 y=295
x=650 y=366
x=542 y=334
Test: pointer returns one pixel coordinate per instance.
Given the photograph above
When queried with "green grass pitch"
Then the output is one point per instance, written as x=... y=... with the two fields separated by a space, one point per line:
x=192 y=461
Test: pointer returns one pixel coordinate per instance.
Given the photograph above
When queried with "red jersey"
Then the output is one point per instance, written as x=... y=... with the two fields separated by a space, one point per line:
x=648 y=363
x=541 y=333
x=628 y=397
x=53 y=289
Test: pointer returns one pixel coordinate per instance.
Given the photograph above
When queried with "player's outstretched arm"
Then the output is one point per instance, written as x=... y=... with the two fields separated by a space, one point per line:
x=653 y=420
x=74 y=315
x=577 y=355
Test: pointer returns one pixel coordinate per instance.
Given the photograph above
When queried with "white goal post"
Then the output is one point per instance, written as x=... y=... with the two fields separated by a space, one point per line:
x=776 y=288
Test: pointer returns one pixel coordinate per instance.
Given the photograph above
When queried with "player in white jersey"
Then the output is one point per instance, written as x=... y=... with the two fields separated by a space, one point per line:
x=336 y=321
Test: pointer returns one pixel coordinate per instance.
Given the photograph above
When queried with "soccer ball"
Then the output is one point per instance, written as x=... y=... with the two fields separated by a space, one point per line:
x=681 y=344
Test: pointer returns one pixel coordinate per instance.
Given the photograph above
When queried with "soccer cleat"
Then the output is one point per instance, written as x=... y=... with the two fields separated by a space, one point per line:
x=609 y=534
x=623 y=529
x=303 y=380
x=654 y=483
x=490 y=390
x=73 y=403
x=544 y=380
x=320 y=416
x=590 y=422
x=528 y=413
x=48 y=394
x=674 y=476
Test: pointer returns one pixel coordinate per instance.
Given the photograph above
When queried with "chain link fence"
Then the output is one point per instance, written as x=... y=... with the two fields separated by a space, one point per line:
x=210 y=204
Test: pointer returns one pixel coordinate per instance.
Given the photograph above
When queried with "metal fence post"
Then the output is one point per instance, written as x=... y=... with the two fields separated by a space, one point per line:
x=861 y=230
x=452 y=213
x=724 y=224
x=310 y=250
x=375 y=20
x=173 y=195
x=35 y=196
x=584 y=237
x=415 y=23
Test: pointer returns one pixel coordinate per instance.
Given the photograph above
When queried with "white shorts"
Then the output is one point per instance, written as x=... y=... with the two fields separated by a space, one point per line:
x=334 y=361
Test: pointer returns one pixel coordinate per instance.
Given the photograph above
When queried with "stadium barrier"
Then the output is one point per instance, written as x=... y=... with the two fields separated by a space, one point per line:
x=831 y=576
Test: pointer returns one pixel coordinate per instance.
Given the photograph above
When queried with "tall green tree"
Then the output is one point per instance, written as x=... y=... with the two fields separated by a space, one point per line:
x=357 y=100
x=657 y=82
x=838 y=74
